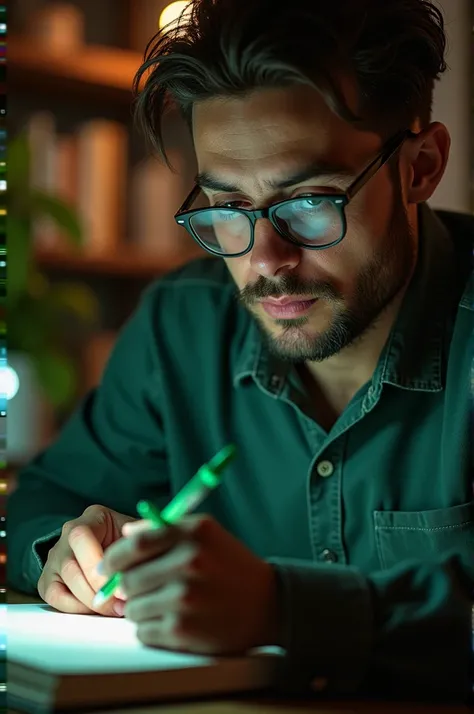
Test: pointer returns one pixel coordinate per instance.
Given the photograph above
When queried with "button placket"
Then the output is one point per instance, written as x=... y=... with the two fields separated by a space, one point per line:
x=325 y=507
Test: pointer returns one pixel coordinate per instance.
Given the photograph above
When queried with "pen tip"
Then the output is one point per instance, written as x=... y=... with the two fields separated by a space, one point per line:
x=99 y=599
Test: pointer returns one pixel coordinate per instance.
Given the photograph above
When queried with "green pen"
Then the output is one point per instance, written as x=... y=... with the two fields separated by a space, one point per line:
x=191 y=495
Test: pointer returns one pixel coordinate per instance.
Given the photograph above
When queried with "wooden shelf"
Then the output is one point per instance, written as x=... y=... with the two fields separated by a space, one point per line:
x=104 y=71
x=127 y=264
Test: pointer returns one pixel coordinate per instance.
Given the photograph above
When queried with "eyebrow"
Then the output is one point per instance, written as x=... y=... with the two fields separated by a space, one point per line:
x=315 y=169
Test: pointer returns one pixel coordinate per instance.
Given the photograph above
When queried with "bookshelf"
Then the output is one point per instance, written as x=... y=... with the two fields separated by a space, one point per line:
x=96 y=73
x=85 y=87
x=104 y=72
x=131 y=263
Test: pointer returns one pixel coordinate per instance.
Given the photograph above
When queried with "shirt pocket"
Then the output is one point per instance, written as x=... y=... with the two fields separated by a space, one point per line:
x=424 y=535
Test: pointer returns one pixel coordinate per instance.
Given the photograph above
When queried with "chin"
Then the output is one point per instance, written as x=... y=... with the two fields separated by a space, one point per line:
x=291 y=342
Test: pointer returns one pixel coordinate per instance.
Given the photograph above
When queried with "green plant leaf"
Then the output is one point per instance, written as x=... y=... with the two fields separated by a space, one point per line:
x=19 y=161
x=65 y=216
x=57 y=377
x=18 y=231
x=78 y=299
x=30 y=325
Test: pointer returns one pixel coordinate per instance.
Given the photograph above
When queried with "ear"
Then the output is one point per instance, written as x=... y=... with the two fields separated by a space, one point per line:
x=427 y=155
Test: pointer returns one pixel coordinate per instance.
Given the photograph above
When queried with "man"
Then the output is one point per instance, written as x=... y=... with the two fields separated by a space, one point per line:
x=344 y=530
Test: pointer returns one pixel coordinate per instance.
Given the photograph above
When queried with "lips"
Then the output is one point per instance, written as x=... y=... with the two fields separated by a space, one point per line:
x=281 y=302
x=287 y=307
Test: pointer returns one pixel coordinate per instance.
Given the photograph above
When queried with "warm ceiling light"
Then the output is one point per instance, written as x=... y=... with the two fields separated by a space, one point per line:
x=173 y=12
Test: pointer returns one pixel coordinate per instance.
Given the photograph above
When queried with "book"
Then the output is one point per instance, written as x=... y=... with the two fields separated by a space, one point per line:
x=58 y=661
x=66 y=168
x=156 y=193
x=102 y=183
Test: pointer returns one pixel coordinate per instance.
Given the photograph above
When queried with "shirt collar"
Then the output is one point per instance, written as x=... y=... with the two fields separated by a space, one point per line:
x=258 y=363
x=413 y=356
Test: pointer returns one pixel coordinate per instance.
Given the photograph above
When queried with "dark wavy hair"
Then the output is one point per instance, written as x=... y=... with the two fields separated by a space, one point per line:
x=394 y=50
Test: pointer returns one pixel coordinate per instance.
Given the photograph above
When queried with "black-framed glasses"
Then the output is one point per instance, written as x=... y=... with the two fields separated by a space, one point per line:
x=313 y=221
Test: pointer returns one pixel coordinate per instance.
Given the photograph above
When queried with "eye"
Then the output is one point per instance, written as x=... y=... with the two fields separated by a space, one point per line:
x=312 y=203
x=228 y=216
x=228 y=204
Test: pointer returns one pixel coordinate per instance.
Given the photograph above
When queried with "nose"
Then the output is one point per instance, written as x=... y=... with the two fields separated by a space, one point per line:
x=271 y=254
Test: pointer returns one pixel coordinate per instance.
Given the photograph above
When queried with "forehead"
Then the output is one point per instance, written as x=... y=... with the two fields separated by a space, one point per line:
x=272 y=128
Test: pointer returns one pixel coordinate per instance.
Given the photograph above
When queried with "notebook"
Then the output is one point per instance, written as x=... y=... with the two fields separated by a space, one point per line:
x=57 y=661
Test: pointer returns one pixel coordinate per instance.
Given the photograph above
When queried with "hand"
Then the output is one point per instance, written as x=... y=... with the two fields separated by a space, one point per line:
x=69 y=579
x=195 y=588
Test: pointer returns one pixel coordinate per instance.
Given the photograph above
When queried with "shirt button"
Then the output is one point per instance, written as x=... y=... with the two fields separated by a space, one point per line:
x=329 y=556
x=325 y=468
x=275 y=382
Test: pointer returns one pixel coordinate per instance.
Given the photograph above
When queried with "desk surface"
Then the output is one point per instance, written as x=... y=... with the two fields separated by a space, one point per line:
x=266 y=705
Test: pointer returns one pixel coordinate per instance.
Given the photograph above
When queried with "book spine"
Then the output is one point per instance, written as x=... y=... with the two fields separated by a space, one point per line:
x=66 y=168
x=156 y=194
x=102 y=169
x=66 y=187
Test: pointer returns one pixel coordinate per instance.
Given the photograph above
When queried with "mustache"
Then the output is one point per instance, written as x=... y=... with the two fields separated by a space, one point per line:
x=287 y=285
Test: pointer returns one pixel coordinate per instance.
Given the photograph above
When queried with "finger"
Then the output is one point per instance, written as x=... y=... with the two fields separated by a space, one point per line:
x=172 y=597
x=133 y=527
x=59 y=596
x=127 y=553
x=155 y=573
x=88 y=553
x=75 y=580
x=164 y=632
x=80 y=574
x=188 y=524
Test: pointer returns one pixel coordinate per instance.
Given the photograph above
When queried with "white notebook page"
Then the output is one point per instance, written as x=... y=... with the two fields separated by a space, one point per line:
x=39 y=636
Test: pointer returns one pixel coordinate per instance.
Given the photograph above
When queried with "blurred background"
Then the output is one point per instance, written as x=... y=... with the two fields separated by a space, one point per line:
x=97 y=225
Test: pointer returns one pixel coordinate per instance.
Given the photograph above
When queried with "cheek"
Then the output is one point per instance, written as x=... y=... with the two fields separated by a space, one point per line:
x=239 y=270
x=373 y=209
x=339 y=265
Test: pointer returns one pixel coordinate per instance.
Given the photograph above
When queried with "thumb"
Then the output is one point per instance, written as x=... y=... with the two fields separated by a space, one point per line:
x=135 y=527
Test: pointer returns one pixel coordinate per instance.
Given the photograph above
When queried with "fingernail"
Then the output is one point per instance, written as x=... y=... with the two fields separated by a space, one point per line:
x=119 y=608
x=133 y=527
x=100 y=567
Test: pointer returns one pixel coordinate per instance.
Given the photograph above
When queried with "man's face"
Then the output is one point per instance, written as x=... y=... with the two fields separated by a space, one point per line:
x=255 y=142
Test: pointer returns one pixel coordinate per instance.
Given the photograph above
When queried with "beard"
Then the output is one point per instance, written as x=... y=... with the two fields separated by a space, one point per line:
x=377 y=285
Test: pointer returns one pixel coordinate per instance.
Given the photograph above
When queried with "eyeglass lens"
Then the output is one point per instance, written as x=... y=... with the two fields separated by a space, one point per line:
x=310 y=221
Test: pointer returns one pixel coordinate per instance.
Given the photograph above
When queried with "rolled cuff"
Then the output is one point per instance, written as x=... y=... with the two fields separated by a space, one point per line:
x=327 y=627
x=23 y=573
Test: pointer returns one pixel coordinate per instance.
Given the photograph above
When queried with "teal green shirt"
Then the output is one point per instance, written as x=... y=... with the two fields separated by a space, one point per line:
x=370 y=527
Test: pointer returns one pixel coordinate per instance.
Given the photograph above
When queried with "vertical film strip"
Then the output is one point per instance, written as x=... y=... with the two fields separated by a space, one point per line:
x=471 y=148
x=3 y=355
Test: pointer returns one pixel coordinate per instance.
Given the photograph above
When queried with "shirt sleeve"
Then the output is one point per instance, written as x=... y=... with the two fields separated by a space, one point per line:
x=111 y=452
x=403 y=632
